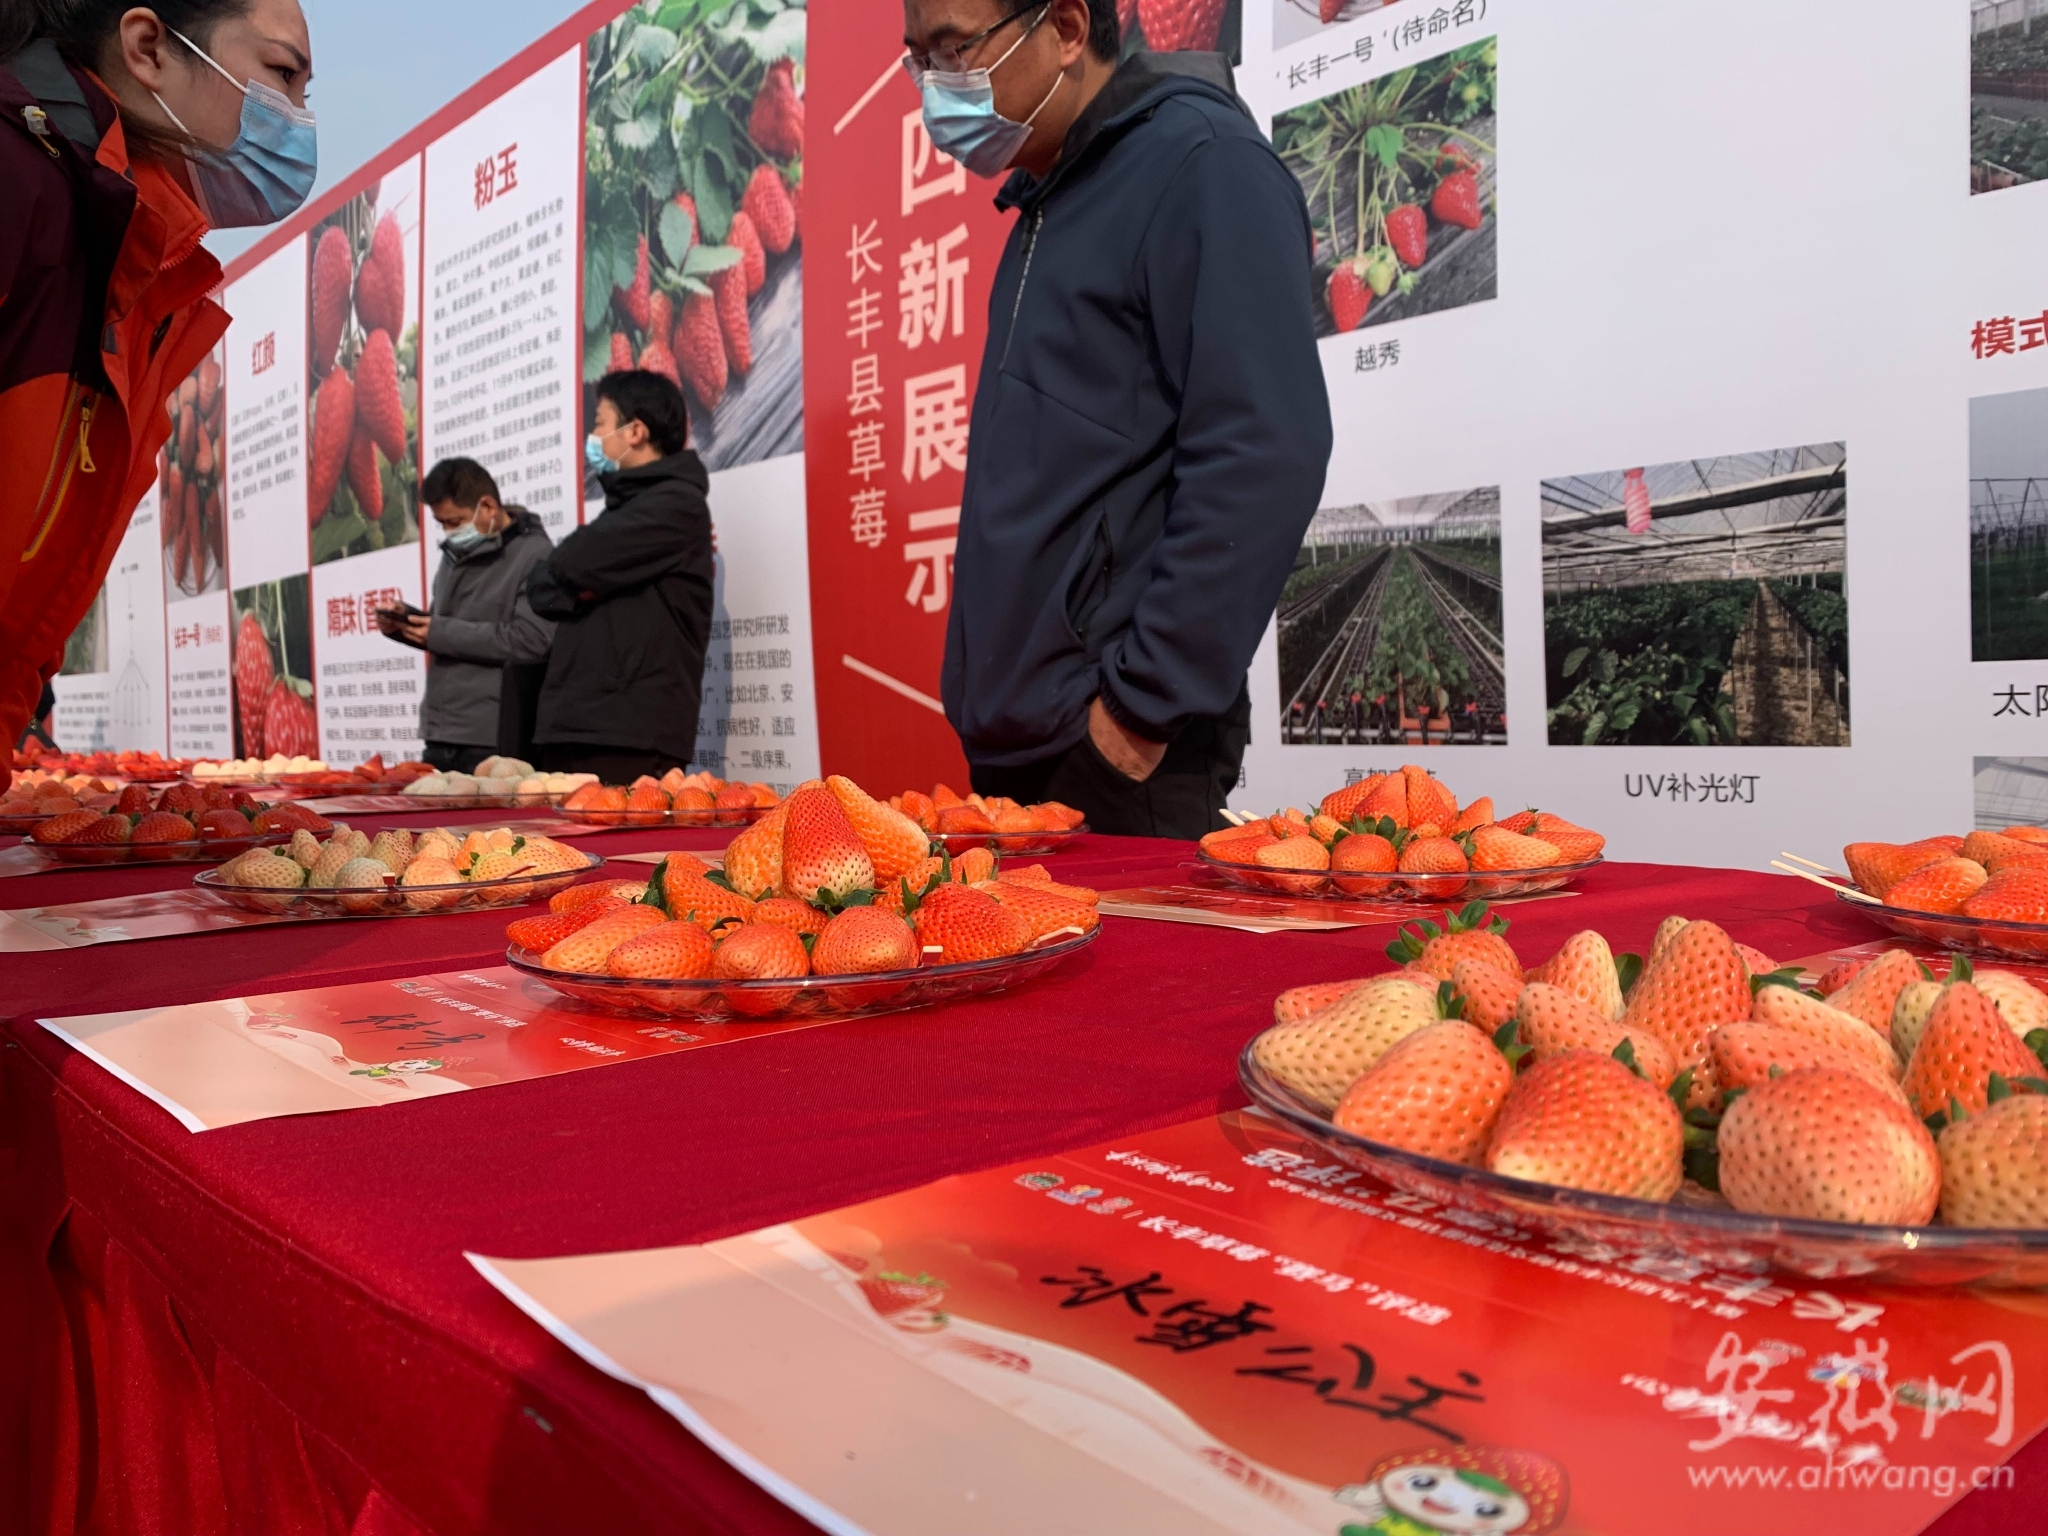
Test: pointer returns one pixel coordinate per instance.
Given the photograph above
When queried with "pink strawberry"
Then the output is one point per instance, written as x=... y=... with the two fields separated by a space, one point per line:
x=334 y=424
x=380 y=283
x=766 y=202
x=776 y=122
x=333 y=266
x=1436 y=1091
x=1349 y=296
x=1174 y=26
x=700 y=350
x=288 y=723
x=622 y=352
x=661 y=315
x=252 y=682
x=1408 y=234
x=378 y=406
x=729 y=294
x=753 y=259
x=1583 y=1120
x=1457 y=200
x=363 y=478
x=634 y=300
x=1830 y=1145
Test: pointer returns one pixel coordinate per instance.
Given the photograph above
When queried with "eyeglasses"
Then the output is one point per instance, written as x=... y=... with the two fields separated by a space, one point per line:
x=952 y=58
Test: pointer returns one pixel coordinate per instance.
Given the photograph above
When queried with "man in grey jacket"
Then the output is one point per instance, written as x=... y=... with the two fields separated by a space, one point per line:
x=481 y=626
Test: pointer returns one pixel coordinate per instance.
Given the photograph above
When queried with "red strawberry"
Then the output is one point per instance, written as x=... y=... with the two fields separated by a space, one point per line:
x=1472 y=934
x=222 y=824
x=1583 y=1120
x=1173 y=26
x=333 y=266
x=1876 y=867
x=1349 y=297
x=656 y=358
x=334 y=424
x=134 y=801
x=1964 y=1043
x=1697 y=982
x=776 y=122
x=378 y=406
x=729 y=293
x=1494 y=849
x=252 y=684
x=753 y=259
x=209 y=384
x=163 y=827
x=288 y=723
x=862 y=941
x=965 y=924
x=1457 y=200
x=61 y=829
x=890 y=1292
x=1941 y=887
x=661 y=314
x=542 y=933
x=1326 y=10
x=700 y=350
x=380 y=282
x=670 y=951
x=188 y=434
x=187 y=799
x=363 y=478
x=821 y=851
x=634 y=300
x=1408 y=234
x=766 y=202
x=1436 y=1091
x=622 y=352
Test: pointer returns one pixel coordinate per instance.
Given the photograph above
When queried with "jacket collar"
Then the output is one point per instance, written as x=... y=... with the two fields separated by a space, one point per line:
x=1130 y=95
x=622 y=485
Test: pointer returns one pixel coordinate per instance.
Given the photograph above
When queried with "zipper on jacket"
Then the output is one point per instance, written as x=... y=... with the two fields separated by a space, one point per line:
x=69 y=455
x=1030 y=245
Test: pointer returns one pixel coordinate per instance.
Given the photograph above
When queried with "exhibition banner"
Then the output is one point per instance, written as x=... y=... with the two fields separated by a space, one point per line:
x=1585 y=540
x=1216 y=1328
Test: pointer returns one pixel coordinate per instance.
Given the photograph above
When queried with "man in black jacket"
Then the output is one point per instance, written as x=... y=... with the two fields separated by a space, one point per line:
x=631 y=595
x=1150 y=428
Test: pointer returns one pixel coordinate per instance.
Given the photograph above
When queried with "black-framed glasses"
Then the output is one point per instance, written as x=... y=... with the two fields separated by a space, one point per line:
x=951 y=59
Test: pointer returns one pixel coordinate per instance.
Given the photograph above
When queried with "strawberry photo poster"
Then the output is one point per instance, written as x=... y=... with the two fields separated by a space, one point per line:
x=200 y=706
x=692 y=242
x=362 y=379
x=266 y=418
x=273 y=657
x=192 y=473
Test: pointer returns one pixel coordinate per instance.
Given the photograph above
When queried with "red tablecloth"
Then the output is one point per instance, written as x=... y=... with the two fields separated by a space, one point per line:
x=270 y=1328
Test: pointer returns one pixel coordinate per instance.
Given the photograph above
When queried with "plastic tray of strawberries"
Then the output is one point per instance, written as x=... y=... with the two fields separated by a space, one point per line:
x=205 y=851
x=1338 y=886
x=1694 y=1226
x=395 y=900
x=22 y=824
x=1014 y=844
x=817 y=998
x=732 y=816
x=1966 y=935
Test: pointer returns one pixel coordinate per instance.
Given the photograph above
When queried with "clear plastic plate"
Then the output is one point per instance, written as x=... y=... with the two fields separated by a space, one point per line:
x=1393 y=887
x=820 y=998
x=740 y=817
x=1697 y=1225
x=1967 y=935
x=207 y=851
x=1011 y=844
x=394 y=900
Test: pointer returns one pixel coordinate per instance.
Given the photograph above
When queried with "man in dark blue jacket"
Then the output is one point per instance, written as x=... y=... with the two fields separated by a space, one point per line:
x=1150 y=428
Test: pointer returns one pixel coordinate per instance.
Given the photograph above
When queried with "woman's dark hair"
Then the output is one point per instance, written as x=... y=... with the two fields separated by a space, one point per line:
x=83 y=29
x=652 y=400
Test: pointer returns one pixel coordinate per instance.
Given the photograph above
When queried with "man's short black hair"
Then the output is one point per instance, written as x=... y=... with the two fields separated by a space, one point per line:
x=651 y=399
x=1105 y=32
x=462 y=481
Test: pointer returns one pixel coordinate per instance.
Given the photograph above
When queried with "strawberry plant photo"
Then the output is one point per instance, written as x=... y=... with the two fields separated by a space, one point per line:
x=272 y=652
x=191 y=473
x=1390 y=625
x=692 y=201
x=1700 y=603
x=362 y=454
x=1399 y=178
x=1182 y=26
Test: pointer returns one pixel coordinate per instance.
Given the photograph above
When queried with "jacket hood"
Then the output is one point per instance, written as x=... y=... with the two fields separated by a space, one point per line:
x=622 y=485
x=1139 y=85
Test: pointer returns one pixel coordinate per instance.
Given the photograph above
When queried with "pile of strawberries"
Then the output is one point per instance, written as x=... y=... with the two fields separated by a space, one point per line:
x=700 y=799
x=396 y=871
x=1406 y=823
x=968 y=822
x=214 y=820
x=1994 y=877
x=1879 y=1096
x=358 y=409
x=830 y=883
x=191 y=470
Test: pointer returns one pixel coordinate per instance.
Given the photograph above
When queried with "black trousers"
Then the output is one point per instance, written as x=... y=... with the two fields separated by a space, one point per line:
x=454 y=756
x=1183 y=798
x=612 y=765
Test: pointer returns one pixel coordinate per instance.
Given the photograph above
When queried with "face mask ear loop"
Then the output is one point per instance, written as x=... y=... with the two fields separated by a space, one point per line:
x=175 y=119
x=1056 y=79
x=231 y=80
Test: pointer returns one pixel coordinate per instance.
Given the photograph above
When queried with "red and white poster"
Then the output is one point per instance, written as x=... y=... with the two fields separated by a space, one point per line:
x=1213 y=1329
x=901 y=248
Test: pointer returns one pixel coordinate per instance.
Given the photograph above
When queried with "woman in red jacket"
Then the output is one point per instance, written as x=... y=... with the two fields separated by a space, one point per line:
x=125 y=135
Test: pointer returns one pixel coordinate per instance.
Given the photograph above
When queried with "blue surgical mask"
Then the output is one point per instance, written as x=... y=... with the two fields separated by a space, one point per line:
x=961 y=119
x=465 y=537
x=594 y=455
x=268 y=171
